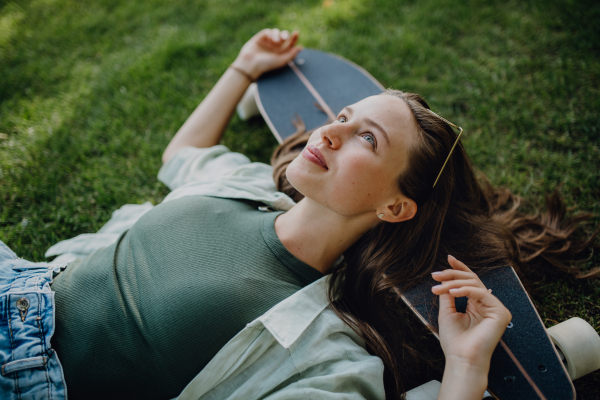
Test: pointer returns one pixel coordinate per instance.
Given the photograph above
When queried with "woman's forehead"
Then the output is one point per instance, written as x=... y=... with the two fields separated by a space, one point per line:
x=391 y=112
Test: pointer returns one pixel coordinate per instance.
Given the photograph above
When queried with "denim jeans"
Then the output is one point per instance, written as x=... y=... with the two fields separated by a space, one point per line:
x=29 y=367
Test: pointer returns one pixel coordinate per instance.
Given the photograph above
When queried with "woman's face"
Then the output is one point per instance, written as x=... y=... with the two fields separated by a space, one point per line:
x=352 y=165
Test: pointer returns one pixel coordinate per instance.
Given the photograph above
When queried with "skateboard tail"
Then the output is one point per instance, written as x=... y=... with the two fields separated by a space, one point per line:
x=525 y=365
x=549 y=339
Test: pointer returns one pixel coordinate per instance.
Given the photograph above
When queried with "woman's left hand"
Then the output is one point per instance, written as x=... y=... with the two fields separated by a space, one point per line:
x=468 y=339
x=268 y=49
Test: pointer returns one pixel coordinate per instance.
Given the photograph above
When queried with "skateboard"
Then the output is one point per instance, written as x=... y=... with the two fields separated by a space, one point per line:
x=314 y=87
x=529 y=362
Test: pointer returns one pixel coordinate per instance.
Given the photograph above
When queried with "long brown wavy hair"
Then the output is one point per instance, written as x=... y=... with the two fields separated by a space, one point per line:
x=463 y=216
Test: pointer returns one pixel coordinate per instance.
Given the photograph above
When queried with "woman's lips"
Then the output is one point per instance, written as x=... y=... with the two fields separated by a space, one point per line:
x=311 y=153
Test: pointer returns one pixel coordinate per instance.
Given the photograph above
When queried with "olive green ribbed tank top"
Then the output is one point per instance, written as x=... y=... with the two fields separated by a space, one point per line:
x=142 y=317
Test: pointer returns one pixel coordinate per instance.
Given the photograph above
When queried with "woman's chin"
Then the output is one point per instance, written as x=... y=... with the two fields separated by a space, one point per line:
x=297 y=177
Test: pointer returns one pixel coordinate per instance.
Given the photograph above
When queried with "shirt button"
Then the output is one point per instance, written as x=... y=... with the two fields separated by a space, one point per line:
x=23 y=304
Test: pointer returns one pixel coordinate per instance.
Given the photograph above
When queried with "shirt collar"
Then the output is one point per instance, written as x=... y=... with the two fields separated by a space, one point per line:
x=287 y=320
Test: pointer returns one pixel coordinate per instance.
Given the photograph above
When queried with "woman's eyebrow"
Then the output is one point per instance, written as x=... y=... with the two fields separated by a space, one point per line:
x=369 y=121
x=376 y=125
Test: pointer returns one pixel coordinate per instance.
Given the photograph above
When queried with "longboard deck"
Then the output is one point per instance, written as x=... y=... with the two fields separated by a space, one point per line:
x=525 y=365
x=313 y=77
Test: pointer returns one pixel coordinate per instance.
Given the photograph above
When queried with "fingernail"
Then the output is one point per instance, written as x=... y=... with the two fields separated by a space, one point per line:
x=455 y=289
x=436 y=272
x=451 y=257
x=436 y=286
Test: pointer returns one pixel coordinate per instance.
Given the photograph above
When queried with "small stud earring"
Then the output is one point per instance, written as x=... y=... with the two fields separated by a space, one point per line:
x=380 y=216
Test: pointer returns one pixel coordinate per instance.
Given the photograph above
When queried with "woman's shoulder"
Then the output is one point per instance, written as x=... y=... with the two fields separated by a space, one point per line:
x=191 y=164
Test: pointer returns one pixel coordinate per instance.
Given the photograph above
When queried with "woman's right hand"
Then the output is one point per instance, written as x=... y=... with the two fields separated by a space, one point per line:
x=268 y=49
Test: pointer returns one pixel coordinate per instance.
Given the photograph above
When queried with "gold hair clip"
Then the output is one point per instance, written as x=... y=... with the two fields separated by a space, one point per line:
x=453 y=146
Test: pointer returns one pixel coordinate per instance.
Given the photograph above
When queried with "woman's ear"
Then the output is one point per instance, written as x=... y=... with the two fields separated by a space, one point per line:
x=403 y=210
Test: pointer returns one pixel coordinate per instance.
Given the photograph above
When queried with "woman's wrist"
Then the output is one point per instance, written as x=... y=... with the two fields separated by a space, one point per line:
x=246 y=64
x=463 y=380
x=242 y=72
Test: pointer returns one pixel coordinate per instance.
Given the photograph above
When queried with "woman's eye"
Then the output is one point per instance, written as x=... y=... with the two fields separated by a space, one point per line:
x=342 y=118
x=369 y=138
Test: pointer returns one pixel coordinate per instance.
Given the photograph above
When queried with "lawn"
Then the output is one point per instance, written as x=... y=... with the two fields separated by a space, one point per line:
x=92 y=91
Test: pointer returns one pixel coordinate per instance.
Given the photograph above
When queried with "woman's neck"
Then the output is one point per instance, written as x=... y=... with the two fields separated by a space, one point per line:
x=317 y=236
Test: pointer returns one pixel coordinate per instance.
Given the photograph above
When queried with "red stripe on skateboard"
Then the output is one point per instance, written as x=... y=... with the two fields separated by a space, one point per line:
x=312 y=90
x=518 y=364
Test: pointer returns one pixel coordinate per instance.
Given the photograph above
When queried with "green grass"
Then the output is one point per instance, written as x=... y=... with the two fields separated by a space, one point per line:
x=92 y=91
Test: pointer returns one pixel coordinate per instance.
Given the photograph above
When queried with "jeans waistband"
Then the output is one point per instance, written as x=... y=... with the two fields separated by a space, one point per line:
x=29 y=367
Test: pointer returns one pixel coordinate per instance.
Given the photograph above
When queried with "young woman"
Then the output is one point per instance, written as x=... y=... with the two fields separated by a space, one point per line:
x=209 y=287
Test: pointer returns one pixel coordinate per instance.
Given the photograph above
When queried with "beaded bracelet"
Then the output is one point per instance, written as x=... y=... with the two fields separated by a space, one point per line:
x=241 y=71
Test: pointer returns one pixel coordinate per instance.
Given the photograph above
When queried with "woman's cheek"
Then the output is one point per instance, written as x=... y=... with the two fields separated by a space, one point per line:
x=361 y=188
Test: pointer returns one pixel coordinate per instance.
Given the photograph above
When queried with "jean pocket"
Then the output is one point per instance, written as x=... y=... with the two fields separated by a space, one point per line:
x=25 y=363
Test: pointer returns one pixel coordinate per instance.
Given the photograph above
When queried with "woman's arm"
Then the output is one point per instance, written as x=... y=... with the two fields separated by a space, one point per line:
x=468 y=339
x=267 y=50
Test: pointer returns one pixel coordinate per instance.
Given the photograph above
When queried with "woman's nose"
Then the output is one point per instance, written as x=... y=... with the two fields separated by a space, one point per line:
x=333 y=135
